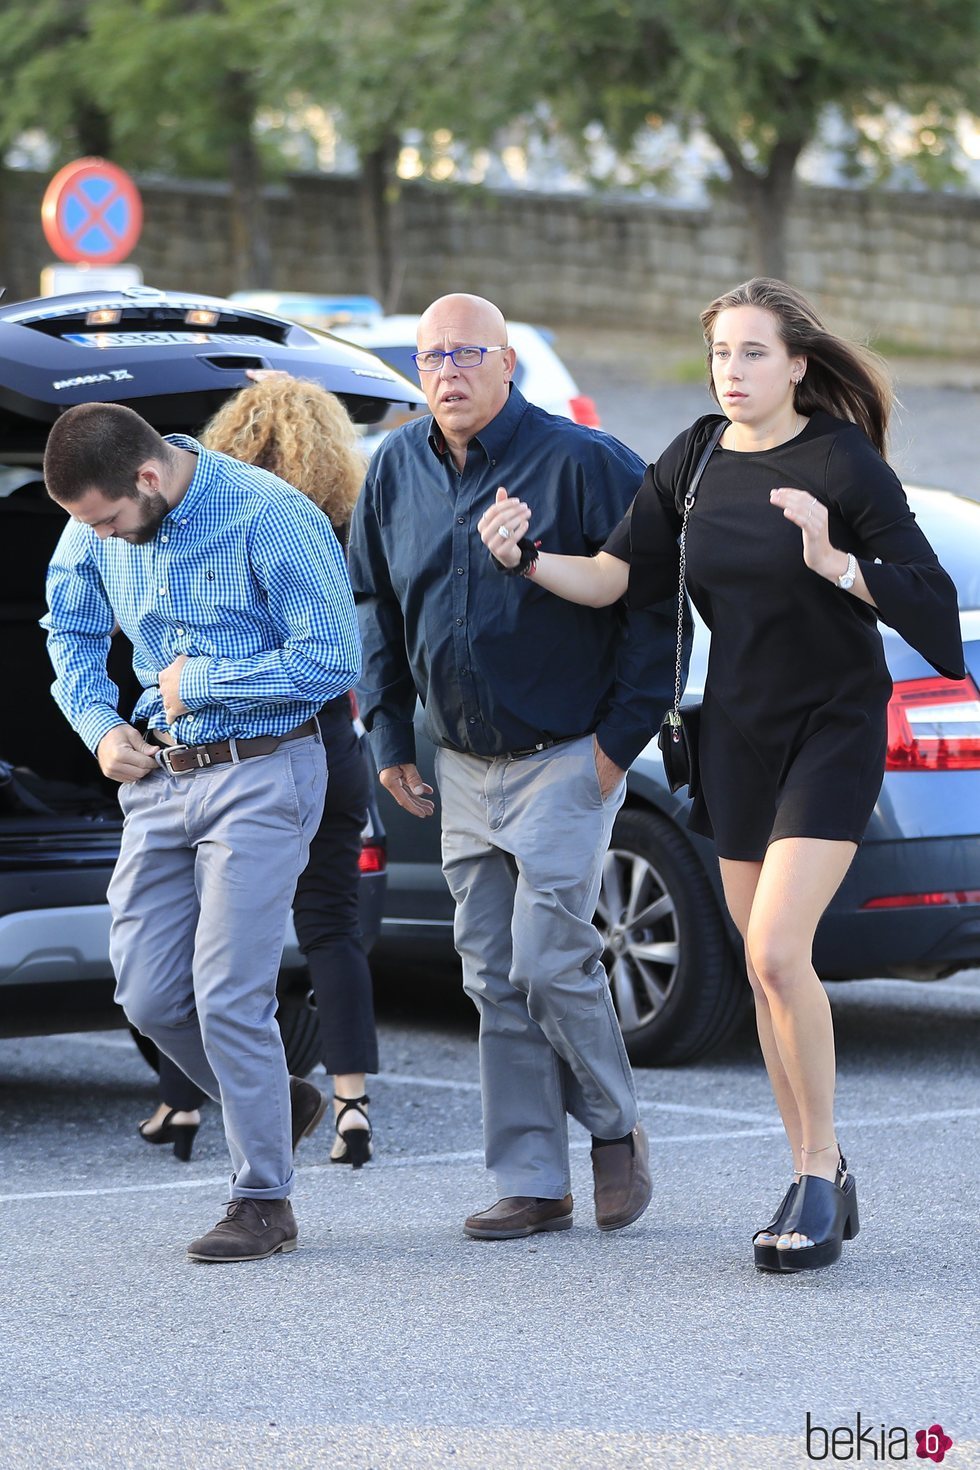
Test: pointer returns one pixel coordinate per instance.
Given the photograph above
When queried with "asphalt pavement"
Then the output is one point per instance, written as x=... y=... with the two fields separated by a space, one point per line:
x=389 y=1340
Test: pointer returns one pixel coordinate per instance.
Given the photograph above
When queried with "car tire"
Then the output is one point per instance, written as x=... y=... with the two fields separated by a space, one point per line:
x=298 y=1024
x=678 y=987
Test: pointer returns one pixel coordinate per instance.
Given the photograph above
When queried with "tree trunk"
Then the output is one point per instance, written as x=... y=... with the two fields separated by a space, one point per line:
x=766 y=198
x=381 y=222
x=93 y=130
x=251 y=254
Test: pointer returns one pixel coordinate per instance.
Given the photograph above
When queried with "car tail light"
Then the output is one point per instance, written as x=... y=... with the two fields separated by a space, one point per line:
x=583 y=411
x=923 y=900
x=934 y=725
x=373 y=858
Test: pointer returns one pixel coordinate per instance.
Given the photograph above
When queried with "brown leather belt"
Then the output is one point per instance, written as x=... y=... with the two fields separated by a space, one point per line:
x=180 y=760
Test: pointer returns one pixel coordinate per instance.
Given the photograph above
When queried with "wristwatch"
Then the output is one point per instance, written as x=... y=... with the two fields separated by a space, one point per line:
x=846 y=578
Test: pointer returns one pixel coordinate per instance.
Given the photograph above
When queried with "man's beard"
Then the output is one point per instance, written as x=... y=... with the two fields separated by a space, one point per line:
x=155 y=510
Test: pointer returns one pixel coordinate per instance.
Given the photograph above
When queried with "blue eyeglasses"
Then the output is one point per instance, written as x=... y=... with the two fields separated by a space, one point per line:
x=464 y=357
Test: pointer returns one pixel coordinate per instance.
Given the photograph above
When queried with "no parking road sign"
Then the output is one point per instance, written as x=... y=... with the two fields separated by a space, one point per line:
x=92 y=212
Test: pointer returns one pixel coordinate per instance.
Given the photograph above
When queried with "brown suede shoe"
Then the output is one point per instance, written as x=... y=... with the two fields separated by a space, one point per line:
x=519 y=1214
x=308 y=1105
x=622 y=1181
x=251 y=1230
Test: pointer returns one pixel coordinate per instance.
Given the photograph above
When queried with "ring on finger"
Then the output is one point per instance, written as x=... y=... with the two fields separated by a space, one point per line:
x=503 y=531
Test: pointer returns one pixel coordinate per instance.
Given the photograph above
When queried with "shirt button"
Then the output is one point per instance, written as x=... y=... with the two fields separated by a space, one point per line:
x=461 y=520
x=459 y=622
x=459 y=571
x=180 y=632
x=164 y=538
x=163 y=591
x=464 y=672
x=493 y=464
x=472 y=719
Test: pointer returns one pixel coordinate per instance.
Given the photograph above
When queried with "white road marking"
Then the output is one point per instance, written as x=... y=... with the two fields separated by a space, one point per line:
x=469 y=1156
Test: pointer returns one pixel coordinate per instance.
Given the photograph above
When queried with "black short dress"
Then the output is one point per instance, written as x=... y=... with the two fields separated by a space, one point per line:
x=793 y=724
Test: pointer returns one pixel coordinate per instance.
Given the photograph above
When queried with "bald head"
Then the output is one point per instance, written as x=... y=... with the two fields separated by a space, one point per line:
x=463 y=400
x=472 y=314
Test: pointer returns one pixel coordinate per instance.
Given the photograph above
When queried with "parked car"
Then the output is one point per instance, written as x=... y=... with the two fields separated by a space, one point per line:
x=909 y=906
x=174 y=357
x=540 y=375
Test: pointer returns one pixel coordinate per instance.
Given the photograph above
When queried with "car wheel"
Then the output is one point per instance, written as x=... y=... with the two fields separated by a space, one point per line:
x=676 y=983
x=298 y=1024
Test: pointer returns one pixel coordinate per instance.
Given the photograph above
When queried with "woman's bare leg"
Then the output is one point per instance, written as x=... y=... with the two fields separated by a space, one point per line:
x=799 y=877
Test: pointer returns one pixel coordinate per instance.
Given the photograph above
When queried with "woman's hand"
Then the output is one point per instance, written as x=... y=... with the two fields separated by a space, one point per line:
x=805 y=511
x=502 y=526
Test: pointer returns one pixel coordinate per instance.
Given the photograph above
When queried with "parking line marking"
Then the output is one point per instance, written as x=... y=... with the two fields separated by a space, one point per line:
x=469 y=1156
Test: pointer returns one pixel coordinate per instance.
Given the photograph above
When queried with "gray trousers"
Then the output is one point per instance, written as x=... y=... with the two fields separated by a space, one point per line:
x=199 y=899
x=523 y=845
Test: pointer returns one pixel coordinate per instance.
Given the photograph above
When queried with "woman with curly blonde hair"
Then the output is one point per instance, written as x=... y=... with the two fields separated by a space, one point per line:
x=301 y=433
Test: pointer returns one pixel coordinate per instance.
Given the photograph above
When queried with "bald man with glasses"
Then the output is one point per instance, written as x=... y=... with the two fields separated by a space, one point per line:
x=536 y=707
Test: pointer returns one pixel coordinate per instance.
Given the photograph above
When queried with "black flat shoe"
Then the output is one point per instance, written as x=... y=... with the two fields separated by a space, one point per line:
x=181 y=1135
x=826 y=1212
x=357 y=1141
x=766 y=1254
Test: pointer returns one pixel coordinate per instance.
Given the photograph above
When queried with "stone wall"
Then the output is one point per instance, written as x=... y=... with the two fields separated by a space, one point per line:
x=903 y=267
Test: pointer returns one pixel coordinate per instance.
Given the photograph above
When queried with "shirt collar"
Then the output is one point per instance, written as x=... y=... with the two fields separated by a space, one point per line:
x=495 y=436
x=201 y=480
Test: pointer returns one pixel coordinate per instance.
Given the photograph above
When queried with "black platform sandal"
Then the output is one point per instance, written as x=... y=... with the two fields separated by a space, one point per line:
x=766 y=1254
x=826 y=1212
x=356 y=1141
x=181 y=1135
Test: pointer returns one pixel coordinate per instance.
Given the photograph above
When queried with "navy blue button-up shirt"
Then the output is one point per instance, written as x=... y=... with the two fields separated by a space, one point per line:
x=498 y=662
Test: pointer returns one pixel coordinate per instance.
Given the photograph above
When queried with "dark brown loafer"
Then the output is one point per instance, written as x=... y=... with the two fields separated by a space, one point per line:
x=251 y=1230
x=308 y=1105
x=520 y=1214
x=622 y=1181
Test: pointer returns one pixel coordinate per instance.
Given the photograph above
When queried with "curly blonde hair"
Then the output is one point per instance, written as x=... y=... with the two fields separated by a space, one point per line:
x=300 y=432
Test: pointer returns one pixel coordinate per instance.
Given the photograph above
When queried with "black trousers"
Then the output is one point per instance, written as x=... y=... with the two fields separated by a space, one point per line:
x=325 y=911
x=326 y=919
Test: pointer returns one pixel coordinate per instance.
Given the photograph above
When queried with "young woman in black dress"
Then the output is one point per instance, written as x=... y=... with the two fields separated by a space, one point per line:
x=800 y=539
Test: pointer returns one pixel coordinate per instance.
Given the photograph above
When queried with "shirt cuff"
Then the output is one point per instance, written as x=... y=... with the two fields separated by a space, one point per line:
x=393 y=745
x=96 y=723
x=194 y=688
x=622 y=746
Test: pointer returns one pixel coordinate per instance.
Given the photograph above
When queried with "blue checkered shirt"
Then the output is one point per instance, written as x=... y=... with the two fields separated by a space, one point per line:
x=245 y=576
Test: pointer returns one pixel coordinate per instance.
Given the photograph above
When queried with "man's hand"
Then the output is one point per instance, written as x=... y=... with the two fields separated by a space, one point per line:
x=173 y=705
x=124 y=755
x=608 y=772
x=408 y=789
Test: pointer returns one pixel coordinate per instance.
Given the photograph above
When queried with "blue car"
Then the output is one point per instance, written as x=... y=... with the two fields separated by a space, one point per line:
x=909 y=907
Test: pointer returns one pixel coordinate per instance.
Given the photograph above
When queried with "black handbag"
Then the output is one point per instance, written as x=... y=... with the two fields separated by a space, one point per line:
x=678 y=738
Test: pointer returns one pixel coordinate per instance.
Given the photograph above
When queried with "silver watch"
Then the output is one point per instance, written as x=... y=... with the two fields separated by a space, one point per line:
x=846 y=579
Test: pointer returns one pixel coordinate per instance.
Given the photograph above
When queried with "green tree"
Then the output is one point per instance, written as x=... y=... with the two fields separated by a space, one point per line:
x=407 y=67
x=757 y=76
x=183 y=81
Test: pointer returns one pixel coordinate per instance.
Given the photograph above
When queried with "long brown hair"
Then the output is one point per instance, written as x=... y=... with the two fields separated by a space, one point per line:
x=843 y=379
x=301 y=433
